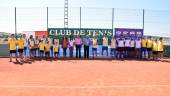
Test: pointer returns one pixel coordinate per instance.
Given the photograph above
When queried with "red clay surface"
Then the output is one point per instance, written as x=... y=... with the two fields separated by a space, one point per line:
x=85 y=78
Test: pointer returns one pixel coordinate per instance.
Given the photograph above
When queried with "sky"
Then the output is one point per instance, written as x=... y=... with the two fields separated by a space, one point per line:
x=136 y=4
x=31 y=15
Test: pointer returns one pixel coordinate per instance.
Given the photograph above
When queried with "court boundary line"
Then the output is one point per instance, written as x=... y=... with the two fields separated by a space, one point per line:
x=87 y=87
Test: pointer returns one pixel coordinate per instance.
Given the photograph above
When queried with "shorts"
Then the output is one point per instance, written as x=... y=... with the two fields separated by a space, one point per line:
x=94 y=49
x=120 y=49
x=155 y=52
x=25 y=48
x=32 y=49
x=47 y=53
x=149 y=49
x=36 y=49
x=104 y=48
x=41 y=51
x=71 y=48
x=137 y=49
x=132 y=48
x=112 y=50
x=20 y=50
x=127 y=48
x=56 y=52
x=160 y=52
x=144 y=49
x=12 y=51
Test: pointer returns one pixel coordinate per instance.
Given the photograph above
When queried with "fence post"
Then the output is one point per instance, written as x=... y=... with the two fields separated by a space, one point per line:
x=47 y=18
x=15 y=21
x=80 y=17
x=113 y=13
x=143 y=19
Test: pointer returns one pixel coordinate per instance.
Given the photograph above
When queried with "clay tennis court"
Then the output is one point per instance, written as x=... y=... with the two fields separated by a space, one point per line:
x=85 y=78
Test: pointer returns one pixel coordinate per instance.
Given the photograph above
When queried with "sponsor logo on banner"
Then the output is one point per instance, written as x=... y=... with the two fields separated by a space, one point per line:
x=139 y=34
x=118 y=33
x=125 y=33
x=132 y=34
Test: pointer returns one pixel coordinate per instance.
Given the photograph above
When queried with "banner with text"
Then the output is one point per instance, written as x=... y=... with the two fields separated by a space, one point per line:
x=131 y=33
x=82 y=32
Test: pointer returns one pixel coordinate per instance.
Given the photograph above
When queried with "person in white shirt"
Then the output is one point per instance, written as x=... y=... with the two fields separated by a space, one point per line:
x=95 y=45
x=31 y=44
x=120 y=48
x=132 y=47
x=56 y=40
x=50 y=40
x=105 y=44
x=127 y=47
x=71 y=46
x=44 y=39
x=138 y=46
x=113 y=47
x=25 y=46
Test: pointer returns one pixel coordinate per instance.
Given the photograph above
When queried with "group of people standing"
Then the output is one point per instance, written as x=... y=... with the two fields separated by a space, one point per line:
x=46 y=46
x=120 y=48
x=37 y=47
x=140 y=48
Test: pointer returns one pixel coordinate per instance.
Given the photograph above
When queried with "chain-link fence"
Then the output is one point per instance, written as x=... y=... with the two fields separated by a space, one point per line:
x=155 y=23
x=19 y=20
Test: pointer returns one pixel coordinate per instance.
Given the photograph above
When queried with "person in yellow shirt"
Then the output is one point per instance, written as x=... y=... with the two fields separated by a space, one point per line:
x=20 y=43
x=37 y=40
x=155 y=49
x=149 y=47
x=160 y=48
x=47 y=49
x=56 y=49
x=12 y=47
x=41 y=48
x=144 y=49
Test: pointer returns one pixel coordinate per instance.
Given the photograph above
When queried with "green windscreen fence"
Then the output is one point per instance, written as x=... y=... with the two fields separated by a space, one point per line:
x=4 y=50
x=167 y=51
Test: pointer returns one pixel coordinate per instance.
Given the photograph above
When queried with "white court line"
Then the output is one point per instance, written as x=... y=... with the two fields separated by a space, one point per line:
x=87 y=87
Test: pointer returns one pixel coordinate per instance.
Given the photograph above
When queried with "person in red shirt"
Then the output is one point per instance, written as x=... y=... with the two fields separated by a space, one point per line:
x=64 y=45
